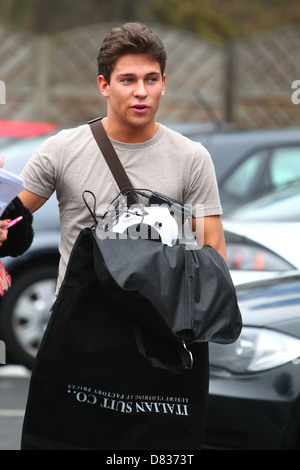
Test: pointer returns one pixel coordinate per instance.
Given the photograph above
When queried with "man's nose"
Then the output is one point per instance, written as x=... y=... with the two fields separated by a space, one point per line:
x=140 y=89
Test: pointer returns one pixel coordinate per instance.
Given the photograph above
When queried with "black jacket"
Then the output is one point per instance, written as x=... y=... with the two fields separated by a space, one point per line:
x=20 y=235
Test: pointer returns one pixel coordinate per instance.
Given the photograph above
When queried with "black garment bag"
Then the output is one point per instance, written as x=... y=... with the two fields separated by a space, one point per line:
x=92 y=388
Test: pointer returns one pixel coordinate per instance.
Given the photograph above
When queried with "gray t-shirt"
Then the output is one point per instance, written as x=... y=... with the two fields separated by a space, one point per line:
x=71 y=162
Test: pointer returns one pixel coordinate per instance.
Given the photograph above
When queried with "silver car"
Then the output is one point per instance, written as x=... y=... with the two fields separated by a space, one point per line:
x=262 y=237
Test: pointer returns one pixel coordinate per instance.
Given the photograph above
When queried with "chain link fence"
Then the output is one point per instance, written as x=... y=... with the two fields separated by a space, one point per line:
x=247 y=83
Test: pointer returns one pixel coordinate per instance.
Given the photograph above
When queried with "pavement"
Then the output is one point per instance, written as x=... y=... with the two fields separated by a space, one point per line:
x=14 y=384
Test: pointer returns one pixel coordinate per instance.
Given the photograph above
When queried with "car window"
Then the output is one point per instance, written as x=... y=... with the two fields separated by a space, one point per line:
x=4 y=141
x=285 y=165
x=281 y=204
x=241 y=179
x=16 y=156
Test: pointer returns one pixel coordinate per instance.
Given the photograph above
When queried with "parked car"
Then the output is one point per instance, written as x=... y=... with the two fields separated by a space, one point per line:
x=262 y=237
x=254 y=398
x=25 y=308
x=251 y=163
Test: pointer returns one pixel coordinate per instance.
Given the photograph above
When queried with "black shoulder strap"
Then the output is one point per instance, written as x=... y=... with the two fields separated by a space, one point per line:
x=112 y=159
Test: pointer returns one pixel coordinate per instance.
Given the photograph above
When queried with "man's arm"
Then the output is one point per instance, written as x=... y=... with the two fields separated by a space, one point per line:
x=31 y=200
x=209 y=231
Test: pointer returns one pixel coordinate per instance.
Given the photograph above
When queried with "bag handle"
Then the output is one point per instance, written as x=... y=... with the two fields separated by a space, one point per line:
x=112 y=159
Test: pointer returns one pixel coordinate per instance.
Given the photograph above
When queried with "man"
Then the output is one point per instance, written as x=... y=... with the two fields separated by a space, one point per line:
x=131 y=65
x=131 y=77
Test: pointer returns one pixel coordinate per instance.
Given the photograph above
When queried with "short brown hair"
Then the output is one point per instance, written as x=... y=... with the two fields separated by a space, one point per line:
x=131 y=38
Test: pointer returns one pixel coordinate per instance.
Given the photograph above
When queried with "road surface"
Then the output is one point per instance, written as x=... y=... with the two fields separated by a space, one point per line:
x=14 y=383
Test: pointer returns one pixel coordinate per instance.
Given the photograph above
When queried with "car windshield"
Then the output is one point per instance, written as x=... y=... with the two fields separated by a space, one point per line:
x=16 y=156
x=283 y=204
x=18 y=153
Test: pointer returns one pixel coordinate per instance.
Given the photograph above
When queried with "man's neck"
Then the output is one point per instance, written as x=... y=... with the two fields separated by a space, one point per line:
x=128 y=134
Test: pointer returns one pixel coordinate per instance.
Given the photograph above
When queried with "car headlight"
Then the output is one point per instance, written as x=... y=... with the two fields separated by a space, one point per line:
x=256 y=350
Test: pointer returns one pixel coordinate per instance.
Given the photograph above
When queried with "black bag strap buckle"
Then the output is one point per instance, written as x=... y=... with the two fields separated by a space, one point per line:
x=186 y=355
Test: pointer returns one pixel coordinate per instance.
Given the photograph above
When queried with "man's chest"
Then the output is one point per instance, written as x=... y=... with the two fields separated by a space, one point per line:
x=94 y=175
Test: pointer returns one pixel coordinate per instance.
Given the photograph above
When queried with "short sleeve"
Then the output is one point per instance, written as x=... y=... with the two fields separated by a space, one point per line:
x=39 y=173
x=202 y=193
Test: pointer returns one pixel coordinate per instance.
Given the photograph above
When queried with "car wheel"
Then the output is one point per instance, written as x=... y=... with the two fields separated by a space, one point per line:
x=25 y=312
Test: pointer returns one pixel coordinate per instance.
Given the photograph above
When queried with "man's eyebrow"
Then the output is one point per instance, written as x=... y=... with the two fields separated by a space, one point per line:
x=125 y=75
x=129 y=74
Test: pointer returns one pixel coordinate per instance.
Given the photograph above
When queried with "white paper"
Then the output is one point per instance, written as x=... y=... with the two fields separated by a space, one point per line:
x=10 y=186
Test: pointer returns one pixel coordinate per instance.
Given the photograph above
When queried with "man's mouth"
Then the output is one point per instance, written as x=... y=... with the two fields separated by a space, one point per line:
x=140 y=108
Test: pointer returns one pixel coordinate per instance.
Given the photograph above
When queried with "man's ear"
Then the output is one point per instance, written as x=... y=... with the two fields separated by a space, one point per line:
x=163 y=85
x=103 y=86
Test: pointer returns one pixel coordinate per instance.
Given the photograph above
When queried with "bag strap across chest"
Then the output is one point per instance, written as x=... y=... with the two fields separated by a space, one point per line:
x=112 y=159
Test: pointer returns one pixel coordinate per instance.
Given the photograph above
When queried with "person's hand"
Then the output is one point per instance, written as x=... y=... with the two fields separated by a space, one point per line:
x=3 y=233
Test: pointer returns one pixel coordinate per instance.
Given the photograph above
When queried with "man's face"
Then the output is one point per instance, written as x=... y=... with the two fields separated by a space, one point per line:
x=134 y=92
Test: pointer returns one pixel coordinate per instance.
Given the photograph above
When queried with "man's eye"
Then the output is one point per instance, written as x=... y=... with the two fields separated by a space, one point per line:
x=126 y=80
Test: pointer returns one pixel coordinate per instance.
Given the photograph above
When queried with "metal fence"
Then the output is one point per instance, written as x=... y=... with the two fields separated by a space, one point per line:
x=247 y=82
